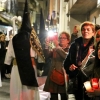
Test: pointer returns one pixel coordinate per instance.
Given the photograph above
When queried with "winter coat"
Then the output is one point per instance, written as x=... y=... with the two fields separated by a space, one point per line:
x=77 y=53
x=57 y=62
x=89 y=65
x=2 y=54
x=73 y=37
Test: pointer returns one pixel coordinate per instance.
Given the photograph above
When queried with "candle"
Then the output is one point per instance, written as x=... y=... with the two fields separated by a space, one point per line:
x=88 y=86
x=99 y=82
x=95 y=83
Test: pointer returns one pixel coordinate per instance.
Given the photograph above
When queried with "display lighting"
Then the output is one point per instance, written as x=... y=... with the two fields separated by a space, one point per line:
x=50 y=33
x=88 y=86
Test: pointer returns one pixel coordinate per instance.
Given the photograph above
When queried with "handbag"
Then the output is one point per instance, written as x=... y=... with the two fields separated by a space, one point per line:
x=57 y=77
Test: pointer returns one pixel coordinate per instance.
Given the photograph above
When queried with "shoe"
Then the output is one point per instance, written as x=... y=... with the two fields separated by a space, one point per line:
x=7 y=76
x=40 y=72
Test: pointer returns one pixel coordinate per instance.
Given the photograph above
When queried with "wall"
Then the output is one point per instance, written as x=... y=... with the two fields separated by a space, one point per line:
x=76 y=20
x=95 y=14
x=63 y=19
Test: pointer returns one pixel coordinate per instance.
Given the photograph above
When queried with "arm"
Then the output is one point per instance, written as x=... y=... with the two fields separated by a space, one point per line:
x=61 y=52
x=88 y=64
x=47 y=53
x=70 y=62
x=9 y=54
x=67 y=64
x=59 y=49
x=94 y=93
x=88 y=68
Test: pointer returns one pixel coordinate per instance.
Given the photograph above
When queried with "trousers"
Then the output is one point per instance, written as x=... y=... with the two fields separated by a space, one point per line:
x=54 y=96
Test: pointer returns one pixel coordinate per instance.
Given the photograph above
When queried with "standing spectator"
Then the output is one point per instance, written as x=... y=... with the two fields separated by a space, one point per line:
x=78 y=51
x=48 y=60
x=97 y=36
x=88 y=67
x=2 y=54
x=95 y=94
x=8 y=67
x=97 y=27
x=57 y=55
x=75 y=33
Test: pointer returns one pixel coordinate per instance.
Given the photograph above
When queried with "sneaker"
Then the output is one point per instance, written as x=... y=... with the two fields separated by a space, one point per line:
x=7 y=75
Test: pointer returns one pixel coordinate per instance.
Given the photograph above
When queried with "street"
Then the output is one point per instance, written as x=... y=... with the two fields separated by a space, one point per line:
x=4 y=90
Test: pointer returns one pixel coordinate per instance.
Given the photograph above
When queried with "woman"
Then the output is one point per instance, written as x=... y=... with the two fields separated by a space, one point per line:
x=96 y=73
x=88 y=67
x=79 y=49
x=2 y=54
x=75 y=33
x=58 y=55
x=97 y=36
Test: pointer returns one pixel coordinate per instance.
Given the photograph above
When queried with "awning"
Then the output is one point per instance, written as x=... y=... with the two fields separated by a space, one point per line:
x=83 y=7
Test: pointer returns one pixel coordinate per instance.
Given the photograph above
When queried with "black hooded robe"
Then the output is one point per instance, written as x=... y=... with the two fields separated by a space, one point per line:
x=21 y=45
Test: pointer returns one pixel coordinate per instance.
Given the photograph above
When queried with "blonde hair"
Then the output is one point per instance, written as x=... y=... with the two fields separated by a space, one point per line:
x=77 y=27
x=2 y=35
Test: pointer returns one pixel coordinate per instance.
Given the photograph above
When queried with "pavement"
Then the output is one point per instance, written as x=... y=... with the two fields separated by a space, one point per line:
x=5 y=89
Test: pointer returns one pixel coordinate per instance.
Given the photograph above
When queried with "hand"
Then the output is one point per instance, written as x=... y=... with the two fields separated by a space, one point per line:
x=46 y=42
x=93 y=93
x=91 y=49
x=90 y=93
x=72 y=67
x=56 y=43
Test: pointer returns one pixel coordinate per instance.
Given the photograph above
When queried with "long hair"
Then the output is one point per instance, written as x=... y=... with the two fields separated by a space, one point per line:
x=97 y=60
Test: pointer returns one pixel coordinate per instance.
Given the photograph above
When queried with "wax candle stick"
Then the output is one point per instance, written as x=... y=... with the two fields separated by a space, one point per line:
x=88 y=86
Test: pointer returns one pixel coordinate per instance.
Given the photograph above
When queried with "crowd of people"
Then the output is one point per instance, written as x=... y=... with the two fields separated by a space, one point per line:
x=70 y=56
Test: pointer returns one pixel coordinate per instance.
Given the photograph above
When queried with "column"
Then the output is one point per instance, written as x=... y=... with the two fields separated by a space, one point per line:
x=61 y=16
x=63 y=19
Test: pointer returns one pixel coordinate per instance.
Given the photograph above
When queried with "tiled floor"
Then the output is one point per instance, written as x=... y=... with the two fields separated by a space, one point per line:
x=5 y=93
x=4 y=90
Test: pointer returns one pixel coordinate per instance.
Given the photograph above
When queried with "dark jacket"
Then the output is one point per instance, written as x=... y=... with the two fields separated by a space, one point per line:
x=2 y=54
x=89 y=65
x=77 y=53
x=73 y=37
x=22 y=47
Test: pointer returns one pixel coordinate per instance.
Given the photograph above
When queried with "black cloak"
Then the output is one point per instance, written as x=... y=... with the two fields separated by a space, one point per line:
x=21 y=45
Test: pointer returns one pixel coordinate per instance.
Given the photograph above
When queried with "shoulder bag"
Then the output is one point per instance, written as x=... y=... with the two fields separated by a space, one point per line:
x=57 y=77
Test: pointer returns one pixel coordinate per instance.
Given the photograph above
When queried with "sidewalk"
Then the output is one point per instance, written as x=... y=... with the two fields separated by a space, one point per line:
x=5 y=91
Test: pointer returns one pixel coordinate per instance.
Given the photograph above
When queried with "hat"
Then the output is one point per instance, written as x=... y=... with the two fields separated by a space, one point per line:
x=26 y=24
